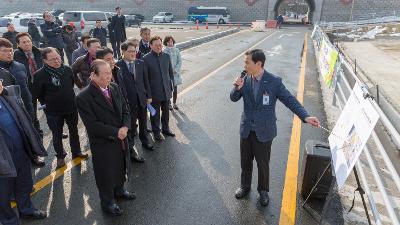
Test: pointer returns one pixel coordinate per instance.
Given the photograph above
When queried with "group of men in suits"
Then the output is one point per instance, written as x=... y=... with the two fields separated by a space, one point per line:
x=117 y=96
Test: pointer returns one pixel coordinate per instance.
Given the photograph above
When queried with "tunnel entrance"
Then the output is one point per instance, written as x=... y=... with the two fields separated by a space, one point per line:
x=295 y=11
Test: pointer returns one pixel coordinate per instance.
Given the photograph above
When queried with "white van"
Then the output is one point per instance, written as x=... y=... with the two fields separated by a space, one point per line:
x=84 y=21
x=163 y=17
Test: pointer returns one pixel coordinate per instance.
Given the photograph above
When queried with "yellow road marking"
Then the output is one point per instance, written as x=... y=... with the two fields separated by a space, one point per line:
x=77 y=161
x=54 y=175
x=289 y=197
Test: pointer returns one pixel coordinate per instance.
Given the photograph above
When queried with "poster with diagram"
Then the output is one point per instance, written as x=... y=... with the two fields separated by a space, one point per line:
x=351 y=133
x=327 y=61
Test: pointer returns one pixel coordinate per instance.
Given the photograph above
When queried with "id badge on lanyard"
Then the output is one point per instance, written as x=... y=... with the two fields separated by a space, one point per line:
x=265 y=98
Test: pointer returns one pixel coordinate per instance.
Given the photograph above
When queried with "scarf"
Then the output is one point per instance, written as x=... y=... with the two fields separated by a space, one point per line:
x=55 y=73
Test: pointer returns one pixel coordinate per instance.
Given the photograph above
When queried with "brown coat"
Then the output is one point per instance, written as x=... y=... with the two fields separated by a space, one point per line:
x=81 y=70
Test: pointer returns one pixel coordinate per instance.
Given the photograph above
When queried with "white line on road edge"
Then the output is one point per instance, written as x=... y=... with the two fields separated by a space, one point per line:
x=184 y=91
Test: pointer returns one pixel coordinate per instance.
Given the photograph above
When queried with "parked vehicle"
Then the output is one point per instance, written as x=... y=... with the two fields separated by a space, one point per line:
x=210 y=14
x=20 y=23
x=84 y=21
x=163 y=17
x=131 y=20
x=138 y=16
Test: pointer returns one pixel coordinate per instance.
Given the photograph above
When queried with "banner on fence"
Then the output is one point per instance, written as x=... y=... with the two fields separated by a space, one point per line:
x=327 y=61
x=351 y=133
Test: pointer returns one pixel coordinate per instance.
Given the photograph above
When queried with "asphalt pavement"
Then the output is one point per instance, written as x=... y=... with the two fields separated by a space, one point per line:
x=191 y=179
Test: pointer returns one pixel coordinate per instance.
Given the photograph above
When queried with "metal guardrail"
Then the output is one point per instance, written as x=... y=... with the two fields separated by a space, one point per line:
x=343 y=76
x=366 y=18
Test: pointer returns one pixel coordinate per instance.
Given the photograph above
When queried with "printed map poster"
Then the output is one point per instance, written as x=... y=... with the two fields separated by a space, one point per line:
x=351 y=133
x=327 y=61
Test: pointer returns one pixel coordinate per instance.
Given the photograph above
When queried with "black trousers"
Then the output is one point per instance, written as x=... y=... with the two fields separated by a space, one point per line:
x=251 y=148
x=35 y=119
x=56 y=124
x=175 y=94
x=19 y=187
x=117 y=51
x=114 y=48
x=138 y=113
x=164 y=116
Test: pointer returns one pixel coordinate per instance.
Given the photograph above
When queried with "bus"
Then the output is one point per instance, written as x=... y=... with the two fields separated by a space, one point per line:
x=209 y=14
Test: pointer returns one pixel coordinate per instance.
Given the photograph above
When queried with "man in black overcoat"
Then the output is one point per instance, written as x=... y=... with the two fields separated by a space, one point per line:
x=105 y=114
x=118 y=26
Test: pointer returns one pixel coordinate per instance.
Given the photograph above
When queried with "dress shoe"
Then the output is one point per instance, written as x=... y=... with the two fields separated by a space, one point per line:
x=37 y=162
x=170 y=107
x=37 y=214
x=148 y=146
x=158 y=137
x=112 y=209
x=168 y=133
x=264 y=198
x=126 y=195
x=60 y=163
x=241 y=192
x=81 y=155
x=64 y=136
x=176 y=107
x=137 y=158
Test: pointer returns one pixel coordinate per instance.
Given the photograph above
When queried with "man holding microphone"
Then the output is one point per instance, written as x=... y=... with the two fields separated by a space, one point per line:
x=260 y=91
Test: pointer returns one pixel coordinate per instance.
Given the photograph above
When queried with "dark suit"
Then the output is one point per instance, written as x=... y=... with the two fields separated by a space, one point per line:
x=161 y=78
x=136 y=88
x=102 y=120
x=143 y=49
x=118 y=26
x=258 y=124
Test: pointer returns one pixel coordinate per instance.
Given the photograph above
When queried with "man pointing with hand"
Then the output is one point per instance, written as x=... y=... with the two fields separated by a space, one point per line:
x=260 y=91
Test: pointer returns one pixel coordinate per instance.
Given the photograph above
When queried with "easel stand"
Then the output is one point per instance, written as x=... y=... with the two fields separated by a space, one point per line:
x=359 y=189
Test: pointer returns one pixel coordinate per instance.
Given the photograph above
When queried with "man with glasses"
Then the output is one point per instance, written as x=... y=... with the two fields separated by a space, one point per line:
x=18 y=71
x=137 y=92
x=54 y=87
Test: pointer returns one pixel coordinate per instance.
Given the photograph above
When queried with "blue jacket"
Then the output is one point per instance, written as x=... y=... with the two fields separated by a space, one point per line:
x=19 y=72
x=263 y=115
x=52 y=34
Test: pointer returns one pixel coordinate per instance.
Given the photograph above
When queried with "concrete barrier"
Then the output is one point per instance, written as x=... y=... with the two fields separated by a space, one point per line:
x=197 y=41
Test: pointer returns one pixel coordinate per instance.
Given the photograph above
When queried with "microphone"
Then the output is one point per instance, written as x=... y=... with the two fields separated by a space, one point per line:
x=242 y=74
